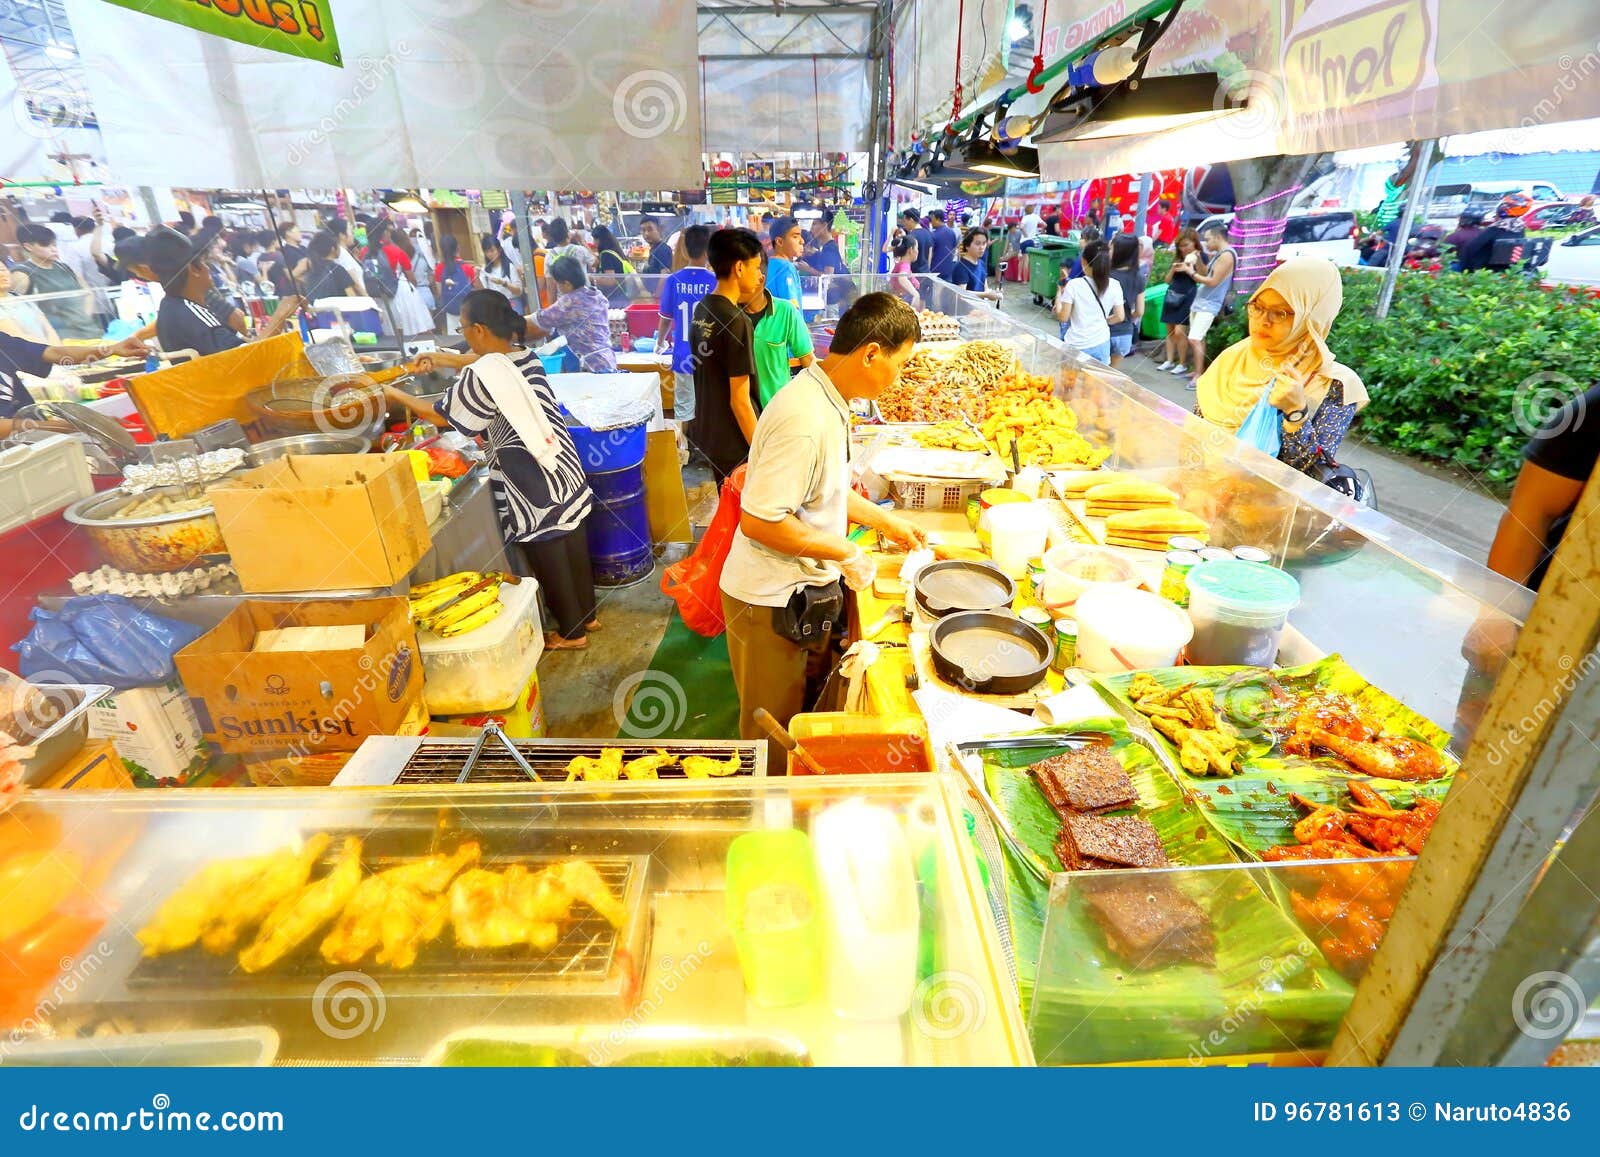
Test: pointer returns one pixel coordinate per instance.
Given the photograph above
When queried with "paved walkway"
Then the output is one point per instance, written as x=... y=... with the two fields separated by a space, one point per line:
x=1446 y=505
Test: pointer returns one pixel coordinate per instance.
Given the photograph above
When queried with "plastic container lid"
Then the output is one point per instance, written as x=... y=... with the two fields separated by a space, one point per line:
x=1245 y=588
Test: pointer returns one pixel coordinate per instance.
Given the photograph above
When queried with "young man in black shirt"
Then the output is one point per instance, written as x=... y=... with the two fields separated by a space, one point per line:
x=183 y=321
x=724 y=353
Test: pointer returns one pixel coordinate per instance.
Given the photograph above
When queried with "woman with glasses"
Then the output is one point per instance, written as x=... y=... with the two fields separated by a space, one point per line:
x=1287 y=360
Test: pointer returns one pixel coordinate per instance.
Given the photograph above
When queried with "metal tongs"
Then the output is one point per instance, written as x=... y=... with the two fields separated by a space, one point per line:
x=492 y=730
x=975 y=785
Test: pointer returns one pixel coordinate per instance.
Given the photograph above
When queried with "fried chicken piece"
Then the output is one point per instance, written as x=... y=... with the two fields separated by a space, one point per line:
x=185 y=915
x=297 y=919
x=285 y=874
x=383 y=900
x=484 y=916
x=648 y=766
x=410 y=920
x=1400 y=833
x=703 y=766
x=604 y=768
x=584 y=882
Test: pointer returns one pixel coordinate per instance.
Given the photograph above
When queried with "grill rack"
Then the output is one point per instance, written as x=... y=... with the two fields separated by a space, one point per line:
x=585 y=956
x=440 y=762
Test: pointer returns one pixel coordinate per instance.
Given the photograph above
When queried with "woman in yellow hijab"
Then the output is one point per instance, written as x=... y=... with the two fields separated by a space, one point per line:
x=1287 y=357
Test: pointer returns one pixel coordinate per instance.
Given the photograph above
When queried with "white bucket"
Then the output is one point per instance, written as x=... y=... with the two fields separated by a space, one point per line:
x=1129 y=630
x=1018 y=532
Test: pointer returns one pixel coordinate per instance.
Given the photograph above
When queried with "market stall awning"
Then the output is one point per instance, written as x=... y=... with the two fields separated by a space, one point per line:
x=790 y=79
x=603 y=95
x=926 y=36
x=1324 y=75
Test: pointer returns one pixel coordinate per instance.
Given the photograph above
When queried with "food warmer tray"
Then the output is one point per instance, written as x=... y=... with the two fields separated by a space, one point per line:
x=602 y=1045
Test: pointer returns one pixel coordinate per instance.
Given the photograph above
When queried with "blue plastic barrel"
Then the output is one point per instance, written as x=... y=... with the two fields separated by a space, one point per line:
x=602 y=451
x=620 y=547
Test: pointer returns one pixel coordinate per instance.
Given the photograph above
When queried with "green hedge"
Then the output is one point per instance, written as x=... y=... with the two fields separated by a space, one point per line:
x=1464 y=365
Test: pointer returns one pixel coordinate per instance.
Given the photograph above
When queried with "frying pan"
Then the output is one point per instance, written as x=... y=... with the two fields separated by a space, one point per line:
x=944 y=588
x=989 y=652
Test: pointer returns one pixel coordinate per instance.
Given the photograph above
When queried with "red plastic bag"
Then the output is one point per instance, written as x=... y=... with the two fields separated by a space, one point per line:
x=694 y=583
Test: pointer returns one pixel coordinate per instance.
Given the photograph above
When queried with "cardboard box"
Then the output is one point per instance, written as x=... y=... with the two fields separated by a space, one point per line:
x=305 y=701
x=97 y=767
x=323 y=522
x=154 y=730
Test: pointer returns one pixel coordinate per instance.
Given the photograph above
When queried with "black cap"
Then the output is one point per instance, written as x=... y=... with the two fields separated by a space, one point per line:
x=168 y=252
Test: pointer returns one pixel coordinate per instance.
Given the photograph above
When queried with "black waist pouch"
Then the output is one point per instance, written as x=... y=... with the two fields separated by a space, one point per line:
x=811 y=615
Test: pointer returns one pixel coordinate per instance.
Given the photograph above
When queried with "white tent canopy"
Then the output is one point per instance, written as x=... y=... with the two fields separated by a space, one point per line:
x=1325 y=75
x=925 y=46
x=511 y=94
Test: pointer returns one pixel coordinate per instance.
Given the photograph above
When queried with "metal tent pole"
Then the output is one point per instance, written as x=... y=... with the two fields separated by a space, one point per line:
x=1397 y=252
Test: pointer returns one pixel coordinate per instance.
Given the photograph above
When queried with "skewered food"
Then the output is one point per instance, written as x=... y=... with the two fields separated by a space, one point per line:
x=1086 y=781
x=704 y=766
x=297 y=919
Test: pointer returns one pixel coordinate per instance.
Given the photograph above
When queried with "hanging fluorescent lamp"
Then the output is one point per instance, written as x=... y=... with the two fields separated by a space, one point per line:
x=409 y=204
x=1157 y=104
x=986 y=157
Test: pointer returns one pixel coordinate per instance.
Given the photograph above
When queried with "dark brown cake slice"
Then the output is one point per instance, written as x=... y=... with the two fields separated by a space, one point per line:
x=1150 y=922
x=1086 y=781
x=1113 y=841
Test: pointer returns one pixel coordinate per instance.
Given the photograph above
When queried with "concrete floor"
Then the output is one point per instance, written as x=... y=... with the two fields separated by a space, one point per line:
x=1448 y=506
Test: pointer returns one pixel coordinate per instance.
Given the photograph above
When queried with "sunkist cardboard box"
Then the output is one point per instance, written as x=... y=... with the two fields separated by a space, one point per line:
x=322 y=522
x=312 y=701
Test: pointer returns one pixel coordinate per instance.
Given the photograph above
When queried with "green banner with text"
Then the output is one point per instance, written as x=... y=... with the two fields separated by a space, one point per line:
x=294 y=27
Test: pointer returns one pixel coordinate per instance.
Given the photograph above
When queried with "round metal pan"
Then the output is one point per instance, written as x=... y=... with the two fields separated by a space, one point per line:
x=989 y=652
x=947 y=588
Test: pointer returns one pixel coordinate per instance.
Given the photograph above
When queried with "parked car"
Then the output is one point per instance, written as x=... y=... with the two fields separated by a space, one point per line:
x=1450 y=201
x=1575 y=260
x=1555 y=214
x=1331 y=235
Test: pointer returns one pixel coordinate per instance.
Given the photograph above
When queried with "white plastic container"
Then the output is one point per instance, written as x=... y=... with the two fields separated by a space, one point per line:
x=1072 y=570
x=1018 y=532
x=1239 y=610
x=869 y=904
x=40 y=478
x=1128 y=630
x=486 y=669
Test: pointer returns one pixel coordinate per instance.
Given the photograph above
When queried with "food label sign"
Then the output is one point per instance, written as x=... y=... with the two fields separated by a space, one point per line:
x=295 y=27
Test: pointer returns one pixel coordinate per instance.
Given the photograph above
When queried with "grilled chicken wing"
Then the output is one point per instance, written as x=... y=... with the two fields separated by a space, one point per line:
x=298 y=918
x=381 y=911
x=484 y=916
x=704 y=766
x=584 y=883
x=410 y=920
x=284 y=875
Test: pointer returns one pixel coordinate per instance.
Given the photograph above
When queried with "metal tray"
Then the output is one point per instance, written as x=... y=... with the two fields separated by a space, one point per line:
x=604 y=1045
x=199 y=1048
x=66 y=737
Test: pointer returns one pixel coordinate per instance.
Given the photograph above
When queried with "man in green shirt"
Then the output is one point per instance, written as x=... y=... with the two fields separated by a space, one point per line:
x=782 y=341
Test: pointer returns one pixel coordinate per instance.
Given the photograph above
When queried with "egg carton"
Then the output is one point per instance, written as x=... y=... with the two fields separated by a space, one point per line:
x=108 y=580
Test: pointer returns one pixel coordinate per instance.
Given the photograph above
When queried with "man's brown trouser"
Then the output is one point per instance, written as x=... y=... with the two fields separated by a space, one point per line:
x=768 y=671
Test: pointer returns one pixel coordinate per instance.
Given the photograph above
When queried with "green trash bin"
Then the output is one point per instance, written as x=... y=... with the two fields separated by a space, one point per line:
x=1150 y=326
x=1045 y=261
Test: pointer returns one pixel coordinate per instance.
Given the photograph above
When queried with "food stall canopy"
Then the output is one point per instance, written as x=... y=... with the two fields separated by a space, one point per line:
x=925 y=36
x=1324 y=75
x=795 y=80
x=602 y=95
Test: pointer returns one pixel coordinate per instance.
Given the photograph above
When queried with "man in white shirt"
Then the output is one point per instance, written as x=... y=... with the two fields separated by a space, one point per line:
x=82 y=255
x=798 y=505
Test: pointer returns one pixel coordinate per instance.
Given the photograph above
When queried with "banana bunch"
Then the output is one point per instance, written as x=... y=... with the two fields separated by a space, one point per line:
x=458 y=603
x=1044 y=429
x=948 y=436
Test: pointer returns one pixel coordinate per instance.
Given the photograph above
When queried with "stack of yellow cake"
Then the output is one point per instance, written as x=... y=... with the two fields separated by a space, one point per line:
x=1110 y=498
x=1150 y=528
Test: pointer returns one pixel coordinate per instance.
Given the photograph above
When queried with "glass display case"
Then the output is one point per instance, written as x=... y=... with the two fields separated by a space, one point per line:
x=836 y=921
